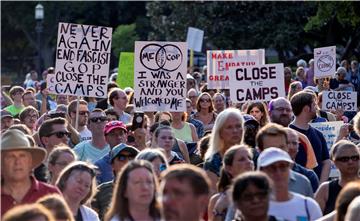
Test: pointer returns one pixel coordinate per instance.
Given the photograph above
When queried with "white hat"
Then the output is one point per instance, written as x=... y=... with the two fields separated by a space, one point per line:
x=272 y=155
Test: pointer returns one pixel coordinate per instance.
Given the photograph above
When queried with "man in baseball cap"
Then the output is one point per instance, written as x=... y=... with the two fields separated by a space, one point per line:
x=277 y=163
x=6 y=120
x=115 y=133
x=18 y=159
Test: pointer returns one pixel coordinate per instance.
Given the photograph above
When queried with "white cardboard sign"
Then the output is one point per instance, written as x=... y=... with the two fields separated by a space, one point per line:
x=344 y=100
x=324 y=62
x=194 y=39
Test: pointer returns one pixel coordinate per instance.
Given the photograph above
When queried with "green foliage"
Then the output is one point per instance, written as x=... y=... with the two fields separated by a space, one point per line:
x=124 y=38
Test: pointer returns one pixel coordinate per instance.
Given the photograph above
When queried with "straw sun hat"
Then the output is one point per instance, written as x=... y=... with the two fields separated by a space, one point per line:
x=14 y=139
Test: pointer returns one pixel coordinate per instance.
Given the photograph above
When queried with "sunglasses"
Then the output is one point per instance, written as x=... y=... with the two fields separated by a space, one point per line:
x=347 y=159
x=60 y=134
x=123 y=157
x=98 y=119
x=205 y=100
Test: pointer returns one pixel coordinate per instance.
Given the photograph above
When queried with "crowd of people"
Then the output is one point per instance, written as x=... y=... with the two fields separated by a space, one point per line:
x=69 y=158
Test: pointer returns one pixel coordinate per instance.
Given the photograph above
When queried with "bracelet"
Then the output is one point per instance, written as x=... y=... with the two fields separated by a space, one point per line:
x=217 y=213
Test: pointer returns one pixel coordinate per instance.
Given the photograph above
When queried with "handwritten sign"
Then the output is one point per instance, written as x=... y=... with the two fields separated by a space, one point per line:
x=160 y=76
x=220 y=62
x=330 y=130
x=194 y=39
x=125 y=76
x=257 y=83
x=324 y=62
x=344 y=100
x=82 y=60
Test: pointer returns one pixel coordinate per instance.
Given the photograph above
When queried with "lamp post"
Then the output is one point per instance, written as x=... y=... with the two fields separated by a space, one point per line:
x=39 y=17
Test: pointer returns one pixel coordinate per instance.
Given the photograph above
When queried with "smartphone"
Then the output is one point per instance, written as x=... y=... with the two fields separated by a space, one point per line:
x=138 y=120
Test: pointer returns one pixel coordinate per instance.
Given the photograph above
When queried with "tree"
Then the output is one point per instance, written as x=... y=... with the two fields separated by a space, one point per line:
x=124 y=38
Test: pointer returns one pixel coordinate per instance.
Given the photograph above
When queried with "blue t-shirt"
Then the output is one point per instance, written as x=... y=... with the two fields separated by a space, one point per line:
x=318 y=143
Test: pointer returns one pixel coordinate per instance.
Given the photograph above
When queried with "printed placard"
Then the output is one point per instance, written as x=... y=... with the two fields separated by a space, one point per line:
x=160 y=76
x=194 y=39
x=257 y=83
x=82 y=60
x=125 y=76
x=324 y=62
x=220 y=62
x=344 y=100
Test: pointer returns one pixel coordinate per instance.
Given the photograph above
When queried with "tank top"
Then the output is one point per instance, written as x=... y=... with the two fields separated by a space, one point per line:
x=334 y=189
x=184 y=133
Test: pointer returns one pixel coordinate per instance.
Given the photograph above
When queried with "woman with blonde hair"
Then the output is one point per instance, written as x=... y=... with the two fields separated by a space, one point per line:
x=227 y=132
x=134 y=195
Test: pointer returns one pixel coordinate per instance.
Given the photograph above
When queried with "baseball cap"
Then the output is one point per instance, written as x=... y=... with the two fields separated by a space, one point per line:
x=114 y=125
x=248 y=119
x=5 y=113
x=272 y=155
x=121 y=147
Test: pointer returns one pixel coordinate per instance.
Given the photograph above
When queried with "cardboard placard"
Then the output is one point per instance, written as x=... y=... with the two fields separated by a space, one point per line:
x=330 y=130
x=125 y=76
x=257 y=83
x=220 y=62
x=194 y=39
x=324 y=62
x=160 y=76
x=344 y=100
x=82 y=60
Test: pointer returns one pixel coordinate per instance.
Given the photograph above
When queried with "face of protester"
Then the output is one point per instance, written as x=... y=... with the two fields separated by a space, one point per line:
x=254 y=202
x=111 y=117
x=219 y=103
x=78 y=185
x=31 y=119
x=61 y=162
x=256 y=113
x=179 y=202
x=205 y=102
x=176 y=116
x=346 y=159
x=287 y=75
x=55 y=138
x=6 y=122
x=140 y=188
x=293 y=144
x=62 y=99
x=242 y=162
x=121 y=100
x=188 y=108
x=231 y=131
x=97 y=122
x=29 y=99
x=165 y=140
x=301 y=74
x=17 y=96
x=278 y=141
x=312 y=110
x=279 y=172
x=121 y=160
x=165 y=117
x=16 y=165
x=83 y=115
x=190 y=83
x=115 y=137
x=193 y=97
x=281 y=113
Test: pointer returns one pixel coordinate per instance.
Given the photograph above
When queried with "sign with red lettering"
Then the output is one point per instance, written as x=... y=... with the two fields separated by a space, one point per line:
x=344 y=100
x=82 y=60
x=160 y=76
x=324 y=62
x=220 y=62
x=257 y=83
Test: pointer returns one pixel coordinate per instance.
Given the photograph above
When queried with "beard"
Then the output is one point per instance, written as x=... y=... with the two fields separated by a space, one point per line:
x=282 y=119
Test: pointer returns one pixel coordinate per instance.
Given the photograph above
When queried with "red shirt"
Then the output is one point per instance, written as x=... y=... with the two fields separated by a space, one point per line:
x=37 y=190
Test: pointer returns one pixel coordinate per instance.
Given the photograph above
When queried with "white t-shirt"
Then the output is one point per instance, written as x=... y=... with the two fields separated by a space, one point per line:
x=296 y=209
x=87 y=152
x=85 y=134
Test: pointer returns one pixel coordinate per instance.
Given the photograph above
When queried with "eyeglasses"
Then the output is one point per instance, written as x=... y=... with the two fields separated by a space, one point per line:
x=205 y=100
x=60 y=134
x=249 y=197
x=123 y=157
x=347 y=159
x=282 y=109
x=33 y=116
x=98 y=119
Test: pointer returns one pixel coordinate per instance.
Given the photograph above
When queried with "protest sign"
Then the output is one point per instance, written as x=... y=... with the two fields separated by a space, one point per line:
x=160 y=76
x=125 y=76
x=330 y=130
x=82 y=60
x=324 y=62
x=194 y=39
x=220 y=62
x=257 y=83
x=344 y=100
